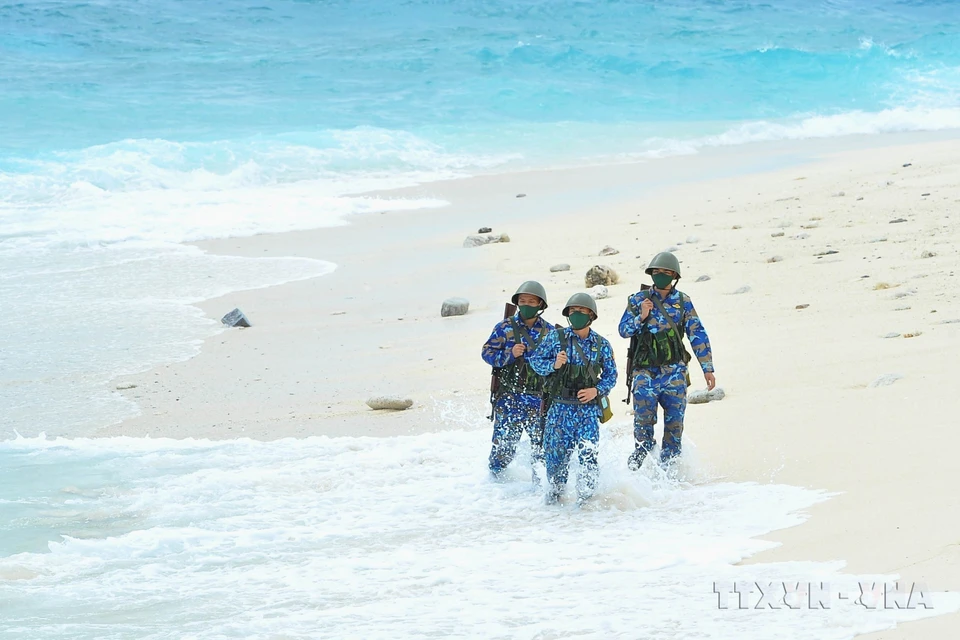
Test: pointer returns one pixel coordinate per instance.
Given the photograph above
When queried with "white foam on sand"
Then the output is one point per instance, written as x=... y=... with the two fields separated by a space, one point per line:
x=389 y=538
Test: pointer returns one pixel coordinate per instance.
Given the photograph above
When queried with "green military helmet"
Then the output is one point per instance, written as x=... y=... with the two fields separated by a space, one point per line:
x=534 y=288
x=664 y=260
x=581 y=300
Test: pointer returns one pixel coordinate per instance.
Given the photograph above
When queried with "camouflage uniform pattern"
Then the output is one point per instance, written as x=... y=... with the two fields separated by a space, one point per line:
x=664 y=385
x=514 y=413
x=572 y=425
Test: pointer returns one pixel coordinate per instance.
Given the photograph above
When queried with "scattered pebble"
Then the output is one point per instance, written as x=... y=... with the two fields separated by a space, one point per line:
x=924 y=195
x=902 y=308
x=907 y=165
x=599 y=292
x=892 y=334
x=777 y=234
x=692 y=239
x=839 y=194
x=601 y=274
x=124 y=387
x=811 y=225
x=338 y=313
x=904 y=293
x=743 y=289
x=927 y=254
x=736 y=226
x=702 y=396
x=801 y=236
x=703 y=278
x=484 y=230
x=875 y=240
x=885 y=380
x=608 y=251
x=454 y=307
x=521 y=195
x=951 y=321
x=389 y=402
x=913 y=334
x=559 y=267
x=801 y=306
x=860 y=198
x=775 y=259
x=898 y=220
x=828 y=252
x=672 y=249
x=480 y=240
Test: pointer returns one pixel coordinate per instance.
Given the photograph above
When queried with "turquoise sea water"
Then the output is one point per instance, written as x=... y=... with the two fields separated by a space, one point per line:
x=129 y=127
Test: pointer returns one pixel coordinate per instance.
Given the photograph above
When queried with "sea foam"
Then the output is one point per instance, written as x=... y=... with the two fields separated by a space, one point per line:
x=386 y=538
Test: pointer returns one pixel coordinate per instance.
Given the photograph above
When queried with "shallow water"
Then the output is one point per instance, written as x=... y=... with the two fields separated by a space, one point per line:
x=382 y=538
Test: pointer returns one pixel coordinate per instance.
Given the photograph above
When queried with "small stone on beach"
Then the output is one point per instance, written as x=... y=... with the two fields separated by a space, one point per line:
x=454 y=307
x=608 y=251
x=885 y=380
x=743 y=289
x=702 y=396
x=124 y=387
x=928 y=254
x=559 y=267
x=235 y=319
x=599 y=292
x=480 y=240
x=484 y=230
x=898 y=220
x=521 y=195
x=828 y=252
x=775 y=259
x=601 y=274
x=390 y=403
x=702 y=278
x=801 y=306
x=892 y=334
x=777 y=234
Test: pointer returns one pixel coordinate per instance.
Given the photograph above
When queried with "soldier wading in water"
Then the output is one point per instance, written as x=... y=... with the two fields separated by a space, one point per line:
x=657 y=319
x=518 y=389
x=580 y=373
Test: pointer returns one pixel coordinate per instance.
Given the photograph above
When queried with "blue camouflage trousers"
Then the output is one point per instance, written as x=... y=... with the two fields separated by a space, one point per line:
x=665 y=386
x=569 y=428
x=515 y=413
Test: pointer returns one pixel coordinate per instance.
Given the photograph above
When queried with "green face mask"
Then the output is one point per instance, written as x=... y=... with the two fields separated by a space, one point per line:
x=579 y=320
x=527 y=312
x=662 y=280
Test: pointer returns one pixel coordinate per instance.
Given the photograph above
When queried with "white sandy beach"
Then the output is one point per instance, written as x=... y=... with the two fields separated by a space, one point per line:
x=800 y=407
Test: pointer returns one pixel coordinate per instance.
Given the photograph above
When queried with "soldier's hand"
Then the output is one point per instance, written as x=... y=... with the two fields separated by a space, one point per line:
x=561 y=360
x=586 y=395
x=711 y=381
x=518 y=350
x=645 y=308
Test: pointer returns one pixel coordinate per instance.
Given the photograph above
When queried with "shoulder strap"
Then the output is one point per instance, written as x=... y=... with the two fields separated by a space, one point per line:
x=591 y=365
x=673 y=325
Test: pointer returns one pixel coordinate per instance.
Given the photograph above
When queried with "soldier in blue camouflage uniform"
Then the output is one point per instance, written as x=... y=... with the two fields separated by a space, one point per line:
x=660 y=362
x=516 y=400
x=580 y=369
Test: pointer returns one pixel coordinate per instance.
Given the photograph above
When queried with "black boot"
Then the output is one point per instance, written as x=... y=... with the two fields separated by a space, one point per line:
x=635 y=461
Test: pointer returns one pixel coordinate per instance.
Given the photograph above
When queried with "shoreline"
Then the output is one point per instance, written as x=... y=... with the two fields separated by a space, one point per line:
x=800 y=408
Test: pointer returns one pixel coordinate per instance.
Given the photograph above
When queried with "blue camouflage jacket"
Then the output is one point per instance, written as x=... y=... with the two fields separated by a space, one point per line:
x=497 y=350
x=679 y=306
x=595 y=347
